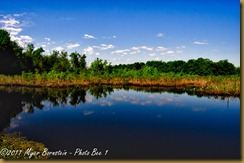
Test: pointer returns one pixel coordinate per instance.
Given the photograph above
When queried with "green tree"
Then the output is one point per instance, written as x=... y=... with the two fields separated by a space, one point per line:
x=5 y=41
x=75 y=57
x=64 y=62
x=10 y=53
x=223 y=67
x=33 y=59
x=98 y=66
x=83 y=61
x=60 y=61
x=237 y=71
x=38 y=60
x=77 y=61
x=51 y=61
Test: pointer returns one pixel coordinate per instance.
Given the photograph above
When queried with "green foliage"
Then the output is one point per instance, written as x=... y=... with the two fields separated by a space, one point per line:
x=100 y=67
x=78 y=62
x=59 y=62
x=10 y=54
x=75 y=60
x=27 y=75
x=200 y=66
x=15 y=142
x=4 y=39
x=83 y=62
x=223 y=67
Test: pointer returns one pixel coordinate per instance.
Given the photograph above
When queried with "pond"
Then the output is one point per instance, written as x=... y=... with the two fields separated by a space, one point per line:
x=103 y=122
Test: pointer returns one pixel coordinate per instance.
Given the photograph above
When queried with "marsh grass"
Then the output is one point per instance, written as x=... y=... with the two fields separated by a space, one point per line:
x=219 y=85
x=14 y=142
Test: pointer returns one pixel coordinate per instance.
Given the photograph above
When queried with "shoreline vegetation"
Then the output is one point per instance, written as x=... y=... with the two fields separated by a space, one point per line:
x=30 y=67
x=17 y=147
x=209 y=85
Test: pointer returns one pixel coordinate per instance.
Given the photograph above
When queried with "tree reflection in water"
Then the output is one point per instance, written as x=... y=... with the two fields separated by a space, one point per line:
x=14 y=100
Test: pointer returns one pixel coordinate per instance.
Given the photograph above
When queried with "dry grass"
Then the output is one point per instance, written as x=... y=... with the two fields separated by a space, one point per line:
x=222 y=85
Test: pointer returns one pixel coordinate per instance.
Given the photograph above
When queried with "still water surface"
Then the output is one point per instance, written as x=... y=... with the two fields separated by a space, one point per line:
x=124 y=123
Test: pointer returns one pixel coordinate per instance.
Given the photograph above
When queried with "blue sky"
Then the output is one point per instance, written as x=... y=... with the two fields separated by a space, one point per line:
x=127 y=31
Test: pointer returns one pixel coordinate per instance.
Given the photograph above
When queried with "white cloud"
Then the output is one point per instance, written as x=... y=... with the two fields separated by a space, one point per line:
x=47 y=51
x=104 y=46
x=179 y=51
x=27 y=38
x=135 y=48
x=10 y=24
x=134 y=52
x=142 y=48
x=71 y=46
x=17 y=15
x=170 y=52
x=160 y=35
x=122 y=51
x=146 y=48
x=157 y=59
x=108 y=37
x=179 y=47
x=87 y=36
x=48 y=39
x=160 y=48
x=152 y=54
x=59 y=48
x=200 y=43
x=22 y=40
x=89 y=50
x=12 y=30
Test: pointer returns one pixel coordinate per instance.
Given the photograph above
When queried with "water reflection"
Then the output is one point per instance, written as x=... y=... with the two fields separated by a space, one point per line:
x=17 y=99
x=133 y=122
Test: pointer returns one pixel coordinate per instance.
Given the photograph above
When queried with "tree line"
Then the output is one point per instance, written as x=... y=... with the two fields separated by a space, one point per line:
x=15 y=60
x=200 y=66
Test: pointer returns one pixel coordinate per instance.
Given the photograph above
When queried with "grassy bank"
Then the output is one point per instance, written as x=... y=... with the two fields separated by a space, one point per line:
x=13 y=146
x=216 y=85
